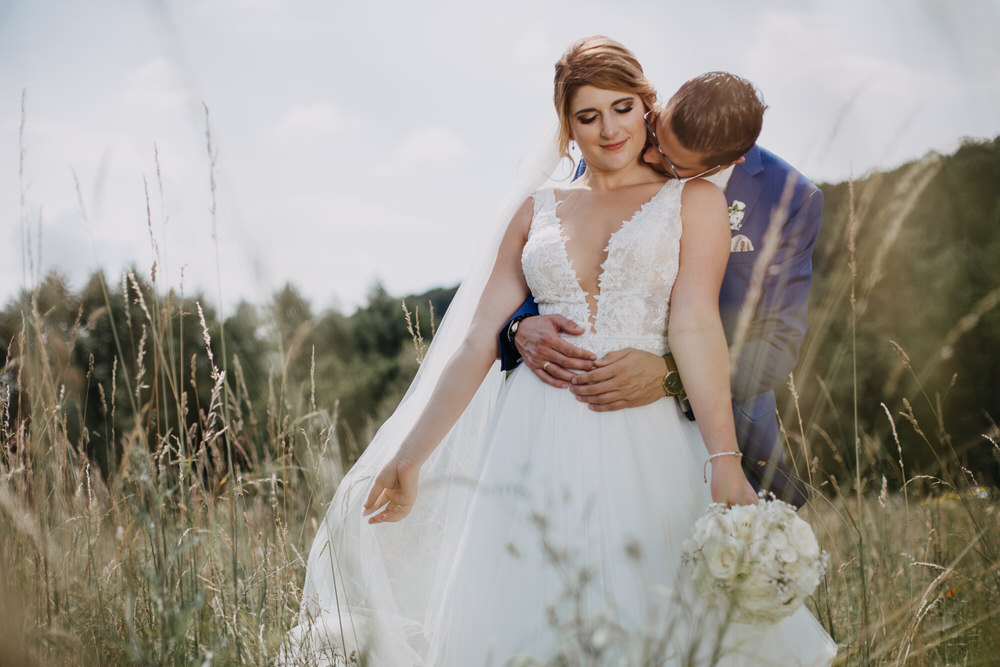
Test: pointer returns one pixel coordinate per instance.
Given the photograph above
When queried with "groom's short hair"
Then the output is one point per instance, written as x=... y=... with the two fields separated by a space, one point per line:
x=717 y=114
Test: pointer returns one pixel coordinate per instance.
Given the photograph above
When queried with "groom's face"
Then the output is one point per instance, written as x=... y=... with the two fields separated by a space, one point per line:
x=686 y=163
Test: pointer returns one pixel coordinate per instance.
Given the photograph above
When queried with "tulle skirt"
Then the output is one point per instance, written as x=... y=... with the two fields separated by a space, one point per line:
x=572 y=547
x=566 y=534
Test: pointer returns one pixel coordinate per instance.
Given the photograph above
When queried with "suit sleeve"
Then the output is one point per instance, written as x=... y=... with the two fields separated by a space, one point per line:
x=771 y=346
x=509 y=356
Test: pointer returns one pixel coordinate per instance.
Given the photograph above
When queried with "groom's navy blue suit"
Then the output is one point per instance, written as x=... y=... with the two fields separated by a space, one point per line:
x=770 y=346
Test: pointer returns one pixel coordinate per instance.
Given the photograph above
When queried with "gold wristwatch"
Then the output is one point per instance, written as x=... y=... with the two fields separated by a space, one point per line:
x=672 y=385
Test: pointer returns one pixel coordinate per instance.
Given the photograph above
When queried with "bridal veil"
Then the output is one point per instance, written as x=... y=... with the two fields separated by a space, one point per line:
x=378 y=588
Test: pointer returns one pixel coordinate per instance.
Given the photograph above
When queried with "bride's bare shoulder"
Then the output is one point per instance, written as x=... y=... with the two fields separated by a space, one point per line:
x=521 y=221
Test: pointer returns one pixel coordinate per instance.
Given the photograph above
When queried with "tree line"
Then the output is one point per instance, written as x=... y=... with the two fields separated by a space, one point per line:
x=904 y=333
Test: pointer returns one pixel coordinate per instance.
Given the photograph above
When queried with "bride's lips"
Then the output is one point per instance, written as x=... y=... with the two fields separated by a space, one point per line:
x=614 y=147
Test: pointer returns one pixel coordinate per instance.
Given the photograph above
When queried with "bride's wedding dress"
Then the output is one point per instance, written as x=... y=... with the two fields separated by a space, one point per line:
x=562 y=537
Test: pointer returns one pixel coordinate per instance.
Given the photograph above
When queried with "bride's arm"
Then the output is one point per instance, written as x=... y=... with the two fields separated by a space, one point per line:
x=697 y=339
x=396 y=483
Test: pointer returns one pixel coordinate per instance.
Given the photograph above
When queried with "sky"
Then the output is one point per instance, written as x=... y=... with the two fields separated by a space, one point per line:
x=373 y=142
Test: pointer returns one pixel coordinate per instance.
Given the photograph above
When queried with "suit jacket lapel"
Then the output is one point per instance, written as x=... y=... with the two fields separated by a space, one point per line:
x=744 y=185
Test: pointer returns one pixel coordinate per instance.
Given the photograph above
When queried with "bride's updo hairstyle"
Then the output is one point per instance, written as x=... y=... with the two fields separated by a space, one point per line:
x=600 y=62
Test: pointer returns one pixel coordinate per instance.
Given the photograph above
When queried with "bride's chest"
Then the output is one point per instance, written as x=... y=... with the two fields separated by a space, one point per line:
x=641 y=255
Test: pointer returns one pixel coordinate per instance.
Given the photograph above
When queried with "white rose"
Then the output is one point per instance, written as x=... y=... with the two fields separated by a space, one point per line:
x=707 y=525
x=689 y=547
x=807 y=582
x=760 y=594
x=723 y=557
x=762 y=526
x=772 y=567
x=762 y=550
x=803 y=539
x=796 y=571
x=782 y=512
x=742 y=519
x=716 y=526
x=736 y=211
x=784 y=550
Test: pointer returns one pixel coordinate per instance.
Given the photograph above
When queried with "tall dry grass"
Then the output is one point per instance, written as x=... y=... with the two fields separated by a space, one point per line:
x=913 y=562
x=190 y=549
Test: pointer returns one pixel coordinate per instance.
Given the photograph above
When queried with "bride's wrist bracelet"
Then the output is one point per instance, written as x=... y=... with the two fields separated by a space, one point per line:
x=704 y=471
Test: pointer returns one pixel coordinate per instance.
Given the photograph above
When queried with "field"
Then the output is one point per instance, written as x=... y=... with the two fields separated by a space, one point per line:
x=175 y=531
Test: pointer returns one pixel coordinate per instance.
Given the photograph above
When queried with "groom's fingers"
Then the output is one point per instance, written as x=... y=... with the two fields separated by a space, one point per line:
x=571 y=356
x=622 y=379
x=538 y=341
x=566 y=324
x=559 y=365
x=604 y=397
x=559 y=353
x=555 y=349
x=550 y=378
x=598 y=380
x=553 y=368
x=595 y=395
x=605 y=390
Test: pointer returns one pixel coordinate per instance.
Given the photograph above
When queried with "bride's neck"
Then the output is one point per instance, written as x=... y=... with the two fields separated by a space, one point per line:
x=603 y=180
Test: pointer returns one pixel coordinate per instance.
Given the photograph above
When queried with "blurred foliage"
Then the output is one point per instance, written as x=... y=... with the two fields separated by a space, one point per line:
x=360 y=363
x=164 y=556
x=928 y=281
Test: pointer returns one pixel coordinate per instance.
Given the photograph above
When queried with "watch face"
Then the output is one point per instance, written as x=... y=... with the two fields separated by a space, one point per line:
x=672 y=383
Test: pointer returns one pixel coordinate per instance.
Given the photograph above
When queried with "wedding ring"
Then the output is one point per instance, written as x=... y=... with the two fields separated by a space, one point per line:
x=545 y=366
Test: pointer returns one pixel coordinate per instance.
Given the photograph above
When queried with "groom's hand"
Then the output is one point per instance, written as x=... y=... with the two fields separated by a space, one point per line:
x=623 y=379
x=548 y=356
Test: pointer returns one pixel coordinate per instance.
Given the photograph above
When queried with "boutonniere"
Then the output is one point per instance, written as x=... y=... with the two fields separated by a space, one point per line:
x=736 y=211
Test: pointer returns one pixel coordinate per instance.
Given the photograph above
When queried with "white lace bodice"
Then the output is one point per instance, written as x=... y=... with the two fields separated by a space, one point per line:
x=635 y=280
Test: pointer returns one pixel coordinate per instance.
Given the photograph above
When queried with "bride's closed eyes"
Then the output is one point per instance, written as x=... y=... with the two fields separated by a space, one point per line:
x=588 y=116
x=587 y=120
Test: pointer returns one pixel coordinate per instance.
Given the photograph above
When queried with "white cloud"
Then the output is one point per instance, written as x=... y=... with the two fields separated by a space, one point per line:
x=268 y=19
x=358 y=142
x=156 y=85
x=533 y=45
x=317 y=121
x=429 y=146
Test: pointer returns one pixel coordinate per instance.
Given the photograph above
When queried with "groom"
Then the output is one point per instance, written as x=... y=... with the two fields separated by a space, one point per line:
x=709 y=129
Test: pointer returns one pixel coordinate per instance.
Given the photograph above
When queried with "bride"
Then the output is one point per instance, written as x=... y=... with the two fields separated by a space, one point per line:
x=497 y=520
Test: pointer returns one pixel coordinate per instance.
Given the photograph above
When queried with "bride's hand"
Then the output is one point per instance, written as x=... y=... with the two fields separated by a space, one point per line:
x=395 y=488
x=729 y=484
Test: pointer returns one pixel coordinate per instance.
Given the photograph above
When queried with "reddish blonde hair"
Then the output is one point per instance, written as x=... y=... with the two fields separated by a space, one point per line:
x=600 y=62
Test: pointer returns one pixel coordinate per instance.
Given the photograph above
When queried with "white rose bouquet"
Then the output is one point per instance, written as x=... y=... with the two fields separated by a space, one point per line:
x=761 y=561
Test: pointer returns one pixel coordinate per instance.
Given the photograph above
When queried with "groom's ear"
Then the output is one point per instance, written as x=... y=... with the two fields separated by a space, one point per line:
x=740 y=160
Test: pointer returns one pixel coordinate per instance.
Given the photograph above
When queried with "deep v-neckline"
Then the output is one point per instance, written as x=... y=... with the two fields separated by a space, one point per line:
x=593 y=308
